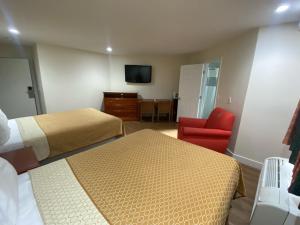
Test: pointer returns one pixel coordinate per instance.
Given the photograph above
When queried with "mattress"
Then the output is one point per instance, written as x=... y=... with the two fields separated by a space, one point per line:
x=15 y=140
x=143 y=178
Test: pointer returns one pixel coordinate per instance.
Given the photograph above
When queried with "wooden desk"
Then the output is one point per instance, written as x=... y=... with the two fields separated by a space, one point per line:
x=22 y=159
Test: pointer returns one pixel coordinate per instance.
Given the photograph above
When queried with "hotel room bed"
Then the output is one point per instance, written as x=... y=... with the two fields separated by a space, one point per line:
x=56 y=133
x=143 y=178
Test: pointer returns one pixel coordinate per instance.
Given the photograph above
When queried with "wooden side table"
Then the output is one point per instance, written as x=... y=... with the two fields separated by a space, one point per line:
x=22 y=159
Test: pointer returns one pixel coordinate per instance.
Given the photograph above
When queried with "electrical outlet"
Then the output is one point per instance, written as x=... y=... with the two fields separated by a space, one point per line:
x=229 y=100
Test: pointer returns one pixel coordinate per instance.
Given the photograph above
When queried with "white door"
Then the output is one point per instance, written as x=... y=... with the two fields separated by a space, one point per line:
x=189 y=90
x=16 y=94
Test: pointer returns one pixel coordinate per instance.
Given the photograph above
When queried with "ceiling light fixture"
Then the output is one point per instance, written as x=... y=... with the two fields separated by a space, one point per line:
x=109 y=49
x=13 y=31
x=282 y=8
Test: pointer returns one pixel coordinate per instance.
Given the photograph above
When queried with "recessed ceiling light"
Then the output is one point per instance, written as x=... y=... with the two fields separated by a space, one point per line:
x=109 y=49
x=282 y=8
x=13 y=31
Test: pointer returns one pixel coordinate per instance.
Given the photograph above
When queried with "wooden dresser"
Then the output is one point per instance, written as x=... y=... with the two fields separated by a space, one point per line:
x=121 y=104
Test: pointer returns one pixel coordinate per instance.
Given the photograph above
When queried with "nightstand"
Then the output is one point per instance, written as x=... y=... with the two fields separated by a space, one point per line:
x=22 y=159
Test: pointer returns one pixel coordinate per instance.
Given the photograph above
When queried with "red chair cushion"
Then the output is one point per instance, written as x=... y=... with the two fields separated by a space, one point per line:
x=220 y=119
x=191 y=122
x=202 y=132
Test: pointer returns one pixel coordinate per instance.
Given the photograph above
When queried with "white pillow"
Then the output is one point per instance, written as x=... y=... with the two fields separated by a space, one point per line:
x=4 y=128
x=3 y=117
x=9 y=195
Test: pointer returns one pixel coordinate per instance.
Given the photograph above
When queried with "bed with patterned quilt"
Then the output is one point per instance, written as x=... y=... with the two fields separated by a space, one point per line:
x=143 y=178
x=57 y=133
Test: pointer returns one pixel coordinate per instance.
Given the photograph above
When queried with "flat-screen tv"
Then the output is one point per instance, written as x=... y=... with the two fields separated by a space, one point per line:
x=138 y=73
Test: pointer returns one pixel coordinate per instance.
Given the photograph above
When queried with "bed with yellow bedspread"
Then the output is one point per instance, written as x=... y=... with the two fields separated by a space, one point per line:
x=143 y=178
x=56 y=133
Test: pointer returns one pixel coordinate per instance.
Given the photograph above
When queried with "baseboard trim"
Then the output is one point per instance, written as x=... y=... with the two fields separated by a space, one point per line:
x=245 y=160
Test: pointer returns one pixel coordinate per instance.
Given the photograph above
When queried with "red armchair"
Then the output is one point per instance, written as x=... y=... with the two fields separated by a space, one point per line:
x=213 y=133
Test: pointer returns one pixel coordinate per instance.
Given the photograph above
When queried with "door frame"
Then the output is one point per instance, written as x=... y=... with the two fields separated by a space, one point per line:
x=218 y=81
x=33 y=76
x=208 y=61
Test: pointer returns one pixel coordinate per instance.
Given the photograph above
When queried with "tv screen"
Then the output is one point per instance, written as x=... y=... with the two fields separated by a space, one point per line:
x=138 y=73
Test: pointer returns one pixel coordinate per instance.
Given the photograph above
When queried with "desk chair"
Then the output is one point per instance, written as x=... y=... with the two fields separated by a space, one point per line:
x=164 y=107
x=147 y=107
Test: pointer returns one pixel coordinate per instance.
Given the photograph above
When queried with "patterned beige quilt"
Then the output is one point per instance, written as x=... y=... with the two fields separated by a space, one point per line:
x=56 y=133
x=143 y=178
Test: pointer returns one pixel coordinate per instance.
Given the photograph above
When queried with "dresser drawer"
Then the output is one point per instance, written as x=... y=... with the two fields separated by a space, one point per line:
x=121 y=103
x=125 y=108
x=118 y=111
x=120 y=107
x=123 y=114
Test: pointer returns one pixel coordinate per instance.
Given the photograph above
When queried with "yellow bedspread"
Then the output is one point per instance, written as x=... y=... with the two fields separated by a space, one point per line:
x=150 y=178
x=66 y=131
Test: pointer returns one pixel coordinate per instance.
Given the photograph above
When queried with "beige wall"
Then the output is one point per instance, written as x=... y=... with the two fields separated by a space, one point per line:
x=272 y=94
x=71 y=78
x=237 y=58
x=165 y=75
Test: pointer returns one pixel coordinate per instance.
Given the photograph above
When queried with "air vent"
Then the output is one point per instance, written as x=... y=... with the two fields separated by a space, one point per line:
x=272 y=175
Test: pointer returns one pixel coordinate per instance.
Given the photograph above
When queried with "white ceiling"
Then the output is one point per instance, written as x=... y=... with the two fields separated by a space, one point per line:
x=138 y=26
